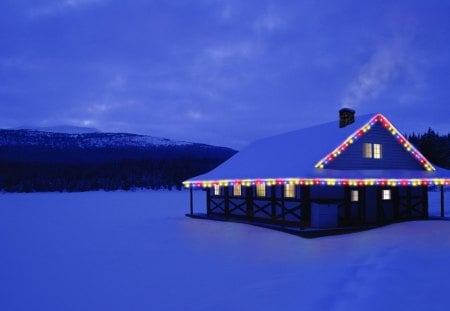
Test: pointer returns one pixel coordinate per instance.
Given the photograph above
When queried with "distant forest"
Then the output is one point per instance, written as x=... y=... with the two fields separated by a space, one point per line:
x=38 y=169
x=435 y=147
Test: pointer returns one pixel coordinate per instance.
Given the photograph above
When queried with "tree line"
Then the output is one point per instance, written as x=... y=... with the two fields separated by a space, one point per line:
x=36 y=169
x=435 y=147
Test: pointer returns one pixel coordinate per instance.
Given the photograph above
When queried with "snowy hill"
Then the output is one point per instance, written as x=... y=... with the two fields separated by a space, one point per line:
x=82 y=140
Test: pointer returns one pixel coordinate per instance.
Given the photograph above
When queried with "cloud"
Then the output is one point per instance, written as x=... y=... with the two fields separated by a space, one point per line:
x=223 y=52
x=109 y=104
x=104 y=114
x=195 y=115
x=61 y=6
x=99 y=108
x=219 y=59
x=271 y=20
x=227 y=11
x=87 y=122
x=217 y=68
x=388 y=62
x=118 y=82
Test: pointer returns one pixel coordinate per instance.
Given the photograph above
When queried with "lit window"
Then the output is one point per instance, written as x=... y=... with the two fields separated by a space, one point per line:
x=260 y=190
x=216 y=190
x=386 y=195
x=372 y=151
x=354 y=197
x=237 y=190
x=289 y=191
x=377 y=151
x=367 y=150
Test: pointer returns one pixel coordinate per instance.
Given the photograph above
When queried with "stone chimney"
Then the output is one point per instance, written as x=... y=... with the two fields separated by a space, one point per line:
x=346 y=117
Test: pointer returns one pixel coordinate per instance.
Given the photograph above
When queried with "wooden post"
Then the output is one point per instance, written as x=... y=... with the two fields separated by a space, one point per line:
x=191 y=205
x=249 y=199
x=226 y=200
x=283 y=208
x=442 y=201
x=274 y=202
x=208 y=201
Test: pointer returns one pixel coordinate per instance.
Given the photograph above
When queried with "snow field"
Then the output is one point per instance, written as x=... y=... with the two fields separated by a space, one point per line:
x=137 y=251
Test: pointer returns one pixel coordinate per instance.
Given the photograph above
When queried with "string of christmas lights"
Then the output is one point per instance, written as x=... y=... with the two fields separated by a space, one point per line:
x=360 y=132
x=321 y=182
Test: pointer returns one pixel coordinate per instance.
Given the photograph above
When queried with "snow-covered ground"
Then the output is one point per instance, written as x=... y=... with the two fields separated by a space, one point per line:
x=137 y=251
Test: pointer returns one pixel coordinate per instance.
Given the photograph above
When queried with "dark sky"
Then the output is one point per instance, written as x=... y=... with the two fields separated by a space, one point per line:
x=222 y=72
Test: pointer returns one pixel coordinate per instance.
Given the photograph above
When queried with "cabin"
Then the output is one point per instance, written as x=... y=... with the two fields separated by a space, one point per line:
x=357 y=171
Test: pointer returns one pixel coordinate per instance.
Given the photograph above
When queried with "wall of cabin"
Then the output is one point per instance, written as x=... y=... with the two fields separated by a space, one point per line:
x=314 y=205
x=394 y=155
x=404 y=203
x=273 y=207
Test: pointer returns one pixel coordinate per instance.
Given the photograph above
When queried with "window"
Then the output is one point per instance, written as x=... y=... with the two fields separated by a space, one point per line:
x=260 y=190
x=289 y=191
x=386 y=194
x=367 y=150
x=216 y=190
x=372 y=151
x=237 y=190
x=354 y=196
x=377 y=151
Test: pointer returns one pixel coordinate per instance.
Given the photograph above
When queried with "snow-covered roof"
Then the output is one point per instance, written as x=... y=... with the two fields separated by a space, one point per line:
x=296 y=154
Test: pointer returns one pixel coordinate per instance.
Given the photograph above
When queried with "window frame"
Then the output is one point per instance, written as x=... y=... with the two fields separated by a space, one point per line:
x=367 y=150
x=289 y=191
x=386 y=194
x=261 y=190
x=372 y=151
x=377 y=151
x=216 y=190
x=237 y=190
x=354 y=195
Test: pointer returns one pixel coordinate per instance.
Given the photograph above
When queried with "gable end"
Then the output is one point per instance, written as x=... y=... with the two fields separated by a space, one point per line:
x=398 y=152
